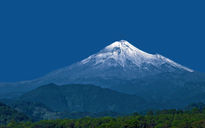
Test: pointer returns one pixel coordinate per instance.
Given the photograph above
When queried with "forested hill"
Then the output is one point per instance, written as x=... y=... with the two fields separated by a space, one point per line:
x=8 y=114
x=84 y=98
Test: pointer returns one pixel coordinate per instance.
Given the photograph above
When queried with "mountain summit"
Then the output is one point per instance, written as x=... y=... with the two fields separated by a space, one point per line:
x=118 y=61
x=122 y=53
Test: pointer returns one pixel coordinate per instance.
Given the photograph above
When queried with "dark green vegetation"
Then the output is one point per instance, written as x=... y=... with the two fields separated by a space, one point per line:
x=38 y=111
x=83 y=98
x=194 y=118
x=8 y=114
x=74 y=101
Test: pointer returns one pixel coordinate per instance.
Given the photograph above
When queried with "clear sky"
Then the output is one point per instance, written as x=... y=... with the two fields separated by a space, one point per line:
x=39 y=36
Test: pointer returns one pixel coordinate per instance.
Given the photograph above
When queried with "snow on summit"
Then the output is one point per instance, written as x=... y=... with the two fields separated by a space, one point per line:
x=125 y=54
x=127 y=48
x=118 y=61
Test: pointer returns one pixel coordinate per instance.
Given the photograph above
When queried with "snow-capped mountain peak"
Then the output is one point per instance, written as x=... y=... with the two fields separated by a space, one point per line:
x=118 y=61
x=122 y=53
x=127 y=48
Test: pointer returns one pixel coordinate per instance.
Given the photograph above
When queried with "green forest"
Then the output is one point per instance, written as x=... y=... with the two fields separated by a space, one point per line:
x=194 y=118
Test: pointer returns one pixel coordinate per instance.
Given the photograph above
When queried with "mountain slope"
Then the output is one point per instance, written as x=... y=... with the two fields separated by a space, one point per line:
x=167 y=90
x=8 y=114
x=35 y=111
x=84 y=98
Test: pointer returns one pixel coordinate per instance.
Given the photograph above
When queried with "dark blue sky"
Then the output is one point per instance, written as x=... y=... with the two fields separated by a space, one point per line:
x=37 y=37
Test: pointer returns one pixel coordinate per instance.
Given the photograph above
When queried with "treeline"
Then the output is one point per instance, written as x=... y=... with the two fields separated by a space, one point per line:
x=194 y=118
